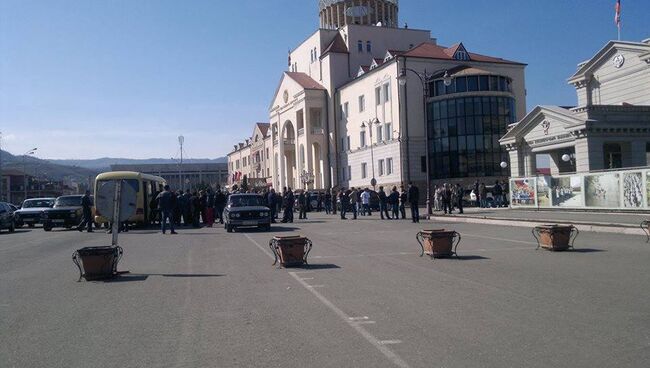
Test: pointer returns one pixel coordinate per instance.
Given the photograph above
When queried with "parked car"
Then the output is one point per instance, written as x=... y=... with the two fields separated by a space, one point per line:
x=31 y=211
x=67 y=212
x=246 y=210
x=7 y=217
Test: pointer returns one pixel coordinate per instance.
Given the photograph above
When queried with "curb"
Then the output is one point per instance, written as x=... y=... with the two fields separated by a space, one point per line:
x=598 y=228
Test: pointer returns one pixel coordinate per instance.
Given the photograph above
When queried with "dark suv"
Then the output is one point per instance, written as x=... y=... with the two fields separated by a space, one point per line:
x=7 y=217
x=67 y=212
x=246 y=210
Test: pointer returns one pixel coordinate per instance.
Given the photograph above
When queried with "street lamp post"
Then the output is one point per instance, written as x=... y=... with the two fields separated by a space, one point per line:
x=371 y=123
x=424 y=79
x=30 y=152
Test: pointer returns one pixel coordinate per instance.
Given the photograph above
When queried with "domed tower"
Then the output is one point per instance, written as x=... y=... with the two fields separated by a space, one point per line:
x=338 y=13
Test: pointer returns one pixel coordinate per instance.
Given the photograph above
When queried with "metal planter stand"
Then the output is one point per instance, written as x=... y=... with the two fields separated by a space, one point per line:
x=555 y=237
x=438 y=243
x=97 y=263
x=645 y=226
x=290 y=251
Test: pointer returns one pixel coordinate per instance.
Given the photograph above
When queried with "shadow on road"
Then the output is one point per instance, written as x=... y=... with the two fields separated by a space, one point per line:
x=471 y=258
x=322 y=266
x=144 y=276
x=585 y=250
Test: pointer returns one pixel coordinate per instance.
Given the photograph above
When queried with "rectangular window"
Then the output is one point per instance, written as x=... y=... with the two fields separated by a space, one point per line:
x=342 y=144
x=386 y=92
x=380 y=165
x=348 y=142
x=346 y=110
x=380 y=135
x=362 y=103
x=360 y=46
x=389 y=166
x=364 y=170
x=369 y=47
x=349 y=172
x=342 y=174
x=362 y=139
x=423 y=163
x=388 y=127
x=267 y=153
x=378 y=95
x=613 y=156
x=483 y=82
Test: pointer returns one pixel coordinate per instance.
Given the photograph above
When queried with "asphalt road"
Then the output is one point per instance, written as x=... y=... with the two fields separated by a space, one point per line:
x=206 y=298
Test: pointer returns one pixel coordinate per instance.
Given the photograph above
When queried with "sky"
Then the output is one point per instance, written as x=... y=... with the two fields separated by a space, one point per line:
x=124 y=78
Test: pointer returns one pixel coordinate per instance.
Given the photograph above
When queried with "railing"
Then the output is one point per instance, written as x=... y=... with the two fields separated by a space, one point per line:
x=289 y=142
x=301 y=131
x=317 y=131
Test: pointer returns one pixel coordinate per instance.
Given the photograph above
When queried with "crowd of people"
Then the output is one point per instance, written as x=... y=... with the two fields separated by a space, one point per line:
x=172 y=209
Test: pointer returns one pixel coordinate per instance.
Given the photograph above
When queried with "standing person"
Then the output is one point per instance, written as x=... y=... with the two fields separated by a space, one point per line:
x=319 y=202
x=498 y=194
x=383 y=204
x=414 y=200
x=209 y=211
x=177 y=210
x=288 y=206
x=403 y=199
x=270 y=201
x=478 y=194
x=303 y=200
x=153 y=208
x=188 y=216
x=354 y=202
x=345 y=202
x=365 y=202
x=333 y=201
x=203 y=197
x=195 y=202
x=328 y=201
x=438 y=198
x=220 y=204
x=460 y=192
x=446 y=199
x=166 y=205
x=483 y=193
x=87 y=207
x=393 y=201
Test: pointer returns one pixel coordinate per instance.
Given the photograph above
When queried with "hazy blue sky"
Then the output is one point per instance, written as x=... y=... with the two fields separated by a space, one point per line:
x=90 y=78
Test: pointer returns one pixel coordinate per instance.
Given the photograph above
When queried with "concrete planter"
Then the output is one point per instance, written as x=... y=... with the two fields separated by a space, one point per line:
x=555 y=237
x=97 y=263
x=290 y=251
x=438 y=243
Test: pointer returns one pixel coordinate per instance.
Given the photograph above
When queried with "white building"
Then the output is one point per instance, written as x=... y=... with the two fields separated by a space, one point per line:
x=341 y=115
x=610 y=127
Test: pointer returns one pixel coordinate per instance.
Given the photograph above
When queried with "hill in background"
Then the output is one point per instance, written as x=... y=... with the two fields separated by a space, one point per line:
x=104 y=164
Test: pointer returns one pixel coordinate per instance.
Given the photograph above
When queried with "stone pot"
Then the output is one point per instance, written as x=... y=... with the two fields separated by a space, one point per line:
x=97 y=263
x=290 y=251
x=555 y=237
x=438 y=243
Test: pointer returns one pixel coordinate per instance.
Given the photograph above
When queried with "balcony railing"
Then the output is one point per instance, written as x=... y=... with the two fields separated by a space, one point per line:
x=301 y=131
x=289 y=142
x=317 y=131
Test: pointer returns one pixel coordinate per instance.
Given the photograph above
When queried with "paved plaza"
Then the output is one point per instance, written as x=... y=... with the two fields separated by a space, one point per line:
x=207 y=298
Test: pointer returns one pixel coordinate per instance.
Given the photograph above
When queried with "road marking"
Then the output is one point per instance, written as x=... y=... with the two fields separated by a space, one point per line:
x=358 y=318
x=390 y=342
x=307 y=278
x=316 y=286
x=388 y=353
x=365 y=322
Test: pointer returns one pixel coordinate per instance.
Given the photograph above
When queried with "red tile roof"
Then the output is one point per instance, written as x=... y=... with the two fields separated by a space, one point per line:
x=337 y=45
x=430 y=50
x=264 y=128
x=304 y=80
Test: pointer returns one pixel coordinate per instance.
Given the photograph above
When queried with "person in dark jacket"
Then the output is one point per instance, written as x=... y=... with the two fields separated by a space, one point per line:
x=302 y=205
x=195 y=201
x=289 y=200
x=166 y=204
x=87 y=208
x=459 y=198
x=220 y=204
x=209 y=210
x=383 y=204
x=403 y=199
x=270 y=202
x=447 y=196
x=345 y=203
x=393 y=201
x=333 y=202
x=327 y=198
x=414 y=201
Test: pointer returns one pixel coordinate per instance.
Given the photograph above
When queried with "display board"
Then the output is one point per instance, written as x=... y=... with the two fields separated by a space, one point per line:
x=624 y=189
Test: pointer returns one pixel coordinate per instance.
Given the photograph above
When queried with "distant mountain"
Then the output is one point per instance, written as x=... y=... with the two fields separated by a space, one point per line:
x=105 y=163
x=46 y=169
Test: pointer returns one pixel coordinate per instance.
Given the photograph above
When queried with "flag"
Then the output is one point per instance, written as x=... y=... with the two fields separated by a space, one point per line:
x=617 y=17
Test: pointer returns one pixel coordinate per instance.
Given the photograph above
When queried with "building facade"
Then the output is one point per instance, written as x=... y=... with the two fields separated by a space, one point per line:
x=186 y=176
x=610 y=127
x=251 y=159
x=359 y=102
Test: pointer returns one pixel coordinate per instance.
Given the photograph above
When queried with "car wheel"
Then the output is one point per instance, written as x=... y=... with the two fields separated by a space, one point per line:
x=31 y=226
x=47 y=227
x=267 y=227
x=229 y=228
x=12 y=228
